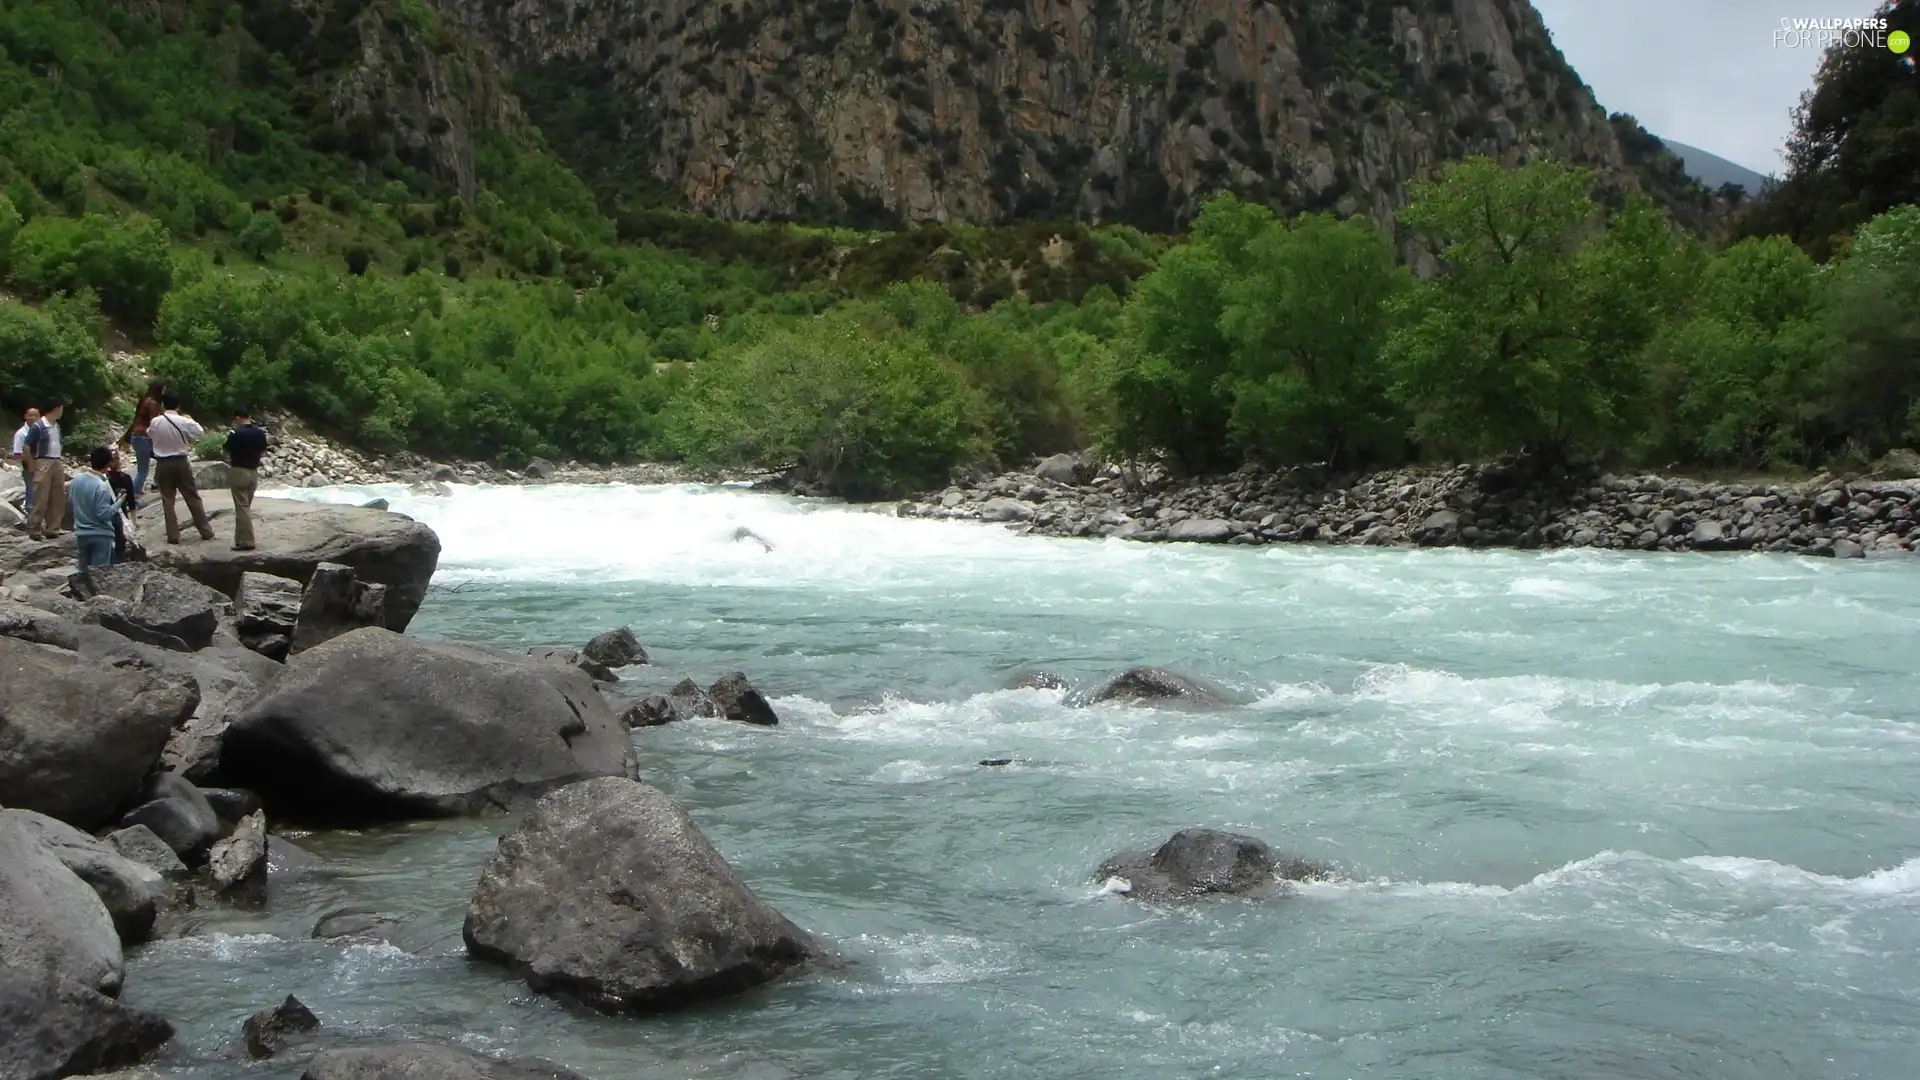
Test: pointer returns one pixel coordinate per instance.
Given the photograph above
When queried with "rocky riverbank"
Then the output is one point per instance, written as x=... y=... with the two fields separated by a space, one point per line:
x=1507 y=503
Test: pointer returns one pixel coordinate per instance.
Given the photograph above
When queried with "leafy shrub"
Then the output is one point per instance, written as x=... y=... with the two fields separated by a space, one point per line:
x=127 y=263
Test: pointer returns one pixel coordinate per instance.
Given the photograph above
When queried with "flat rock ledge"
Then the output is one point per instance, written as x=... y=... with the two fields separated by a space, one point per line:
x=1507 y=503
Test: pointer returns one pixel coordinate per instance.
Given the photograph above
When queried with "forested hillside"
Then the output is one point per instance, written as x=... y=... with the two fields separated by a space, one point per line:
x=255 y=196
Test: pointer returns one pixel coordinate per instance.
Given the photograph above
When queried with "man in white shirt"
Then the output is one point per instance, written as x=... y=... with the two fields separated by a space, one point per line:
x=174 y=433
x=42 y=449
x=20 y=455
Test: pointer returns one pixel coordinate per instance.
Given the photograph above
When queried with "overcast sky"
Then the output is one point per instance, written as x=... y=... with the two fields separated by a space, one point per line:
x=1702 y=72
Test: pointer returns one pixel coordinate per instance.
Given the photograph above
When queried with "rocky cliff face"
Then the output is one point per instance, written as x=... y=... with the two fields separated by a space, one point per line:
x=1105 y=110
x=390 y=81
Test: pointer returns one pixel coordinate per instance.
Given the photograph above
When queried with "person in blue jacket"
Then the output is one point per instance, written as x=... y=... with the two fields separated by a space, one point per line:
x=95 y=508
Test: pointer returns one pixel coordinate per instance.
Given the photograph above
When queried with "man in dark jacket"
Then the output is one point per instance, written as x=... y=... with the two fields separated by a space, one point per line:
x=246 y=445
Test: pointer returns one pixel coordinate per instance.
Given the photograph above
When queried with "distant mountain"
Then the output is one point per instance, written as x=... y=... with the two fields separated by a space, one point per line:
x=1715 y=171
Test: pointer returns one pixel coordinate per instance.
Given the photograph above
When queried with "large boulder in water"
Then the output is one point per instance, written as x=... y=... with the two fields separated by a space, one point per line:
x=1154 y=684
x=1205 y=862
x=78 y=734
x=60 y=971
x=615 y=649
x=609 y=894
x=376 y=726
x=335 y=602
x=426 y=1061
x=294 y=538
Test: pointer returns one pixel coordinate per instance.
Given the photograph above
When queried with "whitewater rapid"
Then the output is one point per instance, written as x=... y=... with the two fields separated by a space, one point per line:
x=1594 y=814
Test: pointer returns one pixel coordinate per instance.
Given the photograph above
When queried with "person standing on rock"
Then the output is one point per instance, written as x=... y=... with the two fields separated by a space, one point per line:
x=20 y=455
x=143 y=416
x=173 y=433
x=49 y=474
x=96 y=511
x=246 y=445
x=122 y=486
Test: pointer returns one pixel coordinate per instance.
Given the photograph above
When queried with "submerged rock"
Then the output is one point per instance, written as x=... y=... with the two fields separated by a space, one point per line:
x=79 y=734
x=609 y=894
x=1035 y=680
x=427 y=1061
x=1206 y=862
x=376 y=726
x=650 y=711
x=1154 y=684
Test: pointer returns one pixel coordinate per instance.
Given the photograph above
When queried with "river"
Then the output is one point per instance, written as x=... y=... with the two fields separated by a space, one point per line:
x=1596 y=815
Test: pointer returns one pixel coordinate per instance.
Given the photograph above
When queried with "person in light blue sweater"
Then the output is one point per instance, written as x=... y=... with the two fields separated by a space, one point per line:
x=95 y=506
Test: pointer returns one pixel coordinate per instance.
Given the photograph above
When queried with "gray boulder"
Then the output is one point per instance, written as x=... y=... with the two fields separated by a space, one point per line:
x=595 y=670
x=141 y=845
x=60 y=971
x=78 y=734
x=1004 y=509
x=179 y=815
x=132 y=892
x=609 y=894
x=1061 y=469
x=213 y=476
x=615 y=649
x=1201 y=531
x=539 y=469
x=152 y=600
x=376 y=726
x=270 y=1031
x=738 y=700
x=335 y=602
x=294 y=538
x=229 y=680
x=650 y=711
x=1154 y=684
x=1709 y=535
x=240 y=860
x=1440 y=529
x=266 y=607
x=424 y=1061
x=1206 y=862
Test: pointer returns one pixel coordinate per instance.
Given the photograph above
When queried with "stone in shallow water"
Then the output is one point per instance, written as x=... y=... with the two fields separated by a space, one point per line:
x=738 y=700
x=1154 y=684
x=609 y=894
x=1206 y=862
x=269 y=1031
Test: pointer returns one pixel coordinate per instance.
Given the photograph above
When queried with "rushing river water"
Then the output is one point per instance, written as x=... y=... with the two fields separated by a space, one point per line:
x=1597 y=815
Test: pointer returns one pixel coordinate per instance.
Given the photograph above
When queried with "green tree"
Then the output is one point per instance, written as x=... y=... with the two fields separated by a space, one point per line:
x=1491 y=356
x=127 y=263
x=1873 y=385
x=1305 y=325
x=261 y=237
x=1737 y=378
x=1170 y=392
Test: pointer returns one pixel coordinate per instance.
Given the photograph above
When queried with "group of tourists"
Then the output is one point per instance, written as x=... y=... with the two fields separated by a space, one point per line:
x=104 y=499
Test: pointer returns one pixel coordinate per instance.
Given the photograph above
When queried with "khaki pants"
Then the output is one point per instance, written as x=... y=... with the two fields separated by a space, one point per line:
x=174 y=476
x=243 y=483
x=49 y=497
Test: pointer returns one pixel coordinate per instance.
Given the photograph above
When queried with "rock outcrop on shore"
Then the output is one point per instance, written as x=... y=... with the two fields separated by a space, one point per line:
x=375 y=726
x=1507 y=503
x=293 y=539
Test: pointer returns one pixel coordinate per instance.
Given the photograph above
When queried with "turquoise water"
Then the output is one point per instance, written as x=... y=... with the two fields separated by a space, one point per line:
x=1596 y=815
